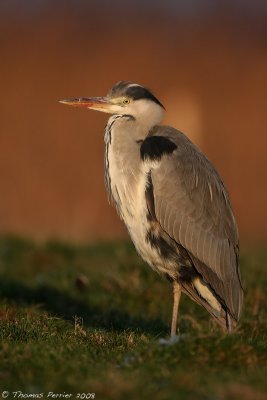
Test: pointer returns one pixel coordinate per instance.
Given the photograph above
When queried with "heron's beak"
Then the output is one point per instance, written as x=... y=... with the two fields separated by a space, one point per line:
x=94 y=103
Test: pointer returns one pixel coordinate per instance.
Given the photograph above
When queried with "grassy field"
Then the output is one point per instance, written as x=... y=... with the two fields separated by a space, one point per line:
x=87 y=319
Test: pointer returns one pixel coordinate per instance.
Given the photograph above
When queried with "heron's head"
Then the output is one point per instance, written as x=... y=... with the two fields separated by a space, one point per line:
x=125 y=98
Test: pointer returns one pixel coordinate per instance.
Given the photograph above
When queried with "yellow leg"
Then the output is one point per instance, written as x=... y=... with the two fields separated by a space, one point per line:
x=176 y=300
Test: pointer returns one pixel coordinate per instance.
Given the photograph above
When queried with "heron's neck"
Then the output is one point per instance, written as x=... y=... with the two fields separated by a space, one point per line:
x=125 y=128
x=147 y=113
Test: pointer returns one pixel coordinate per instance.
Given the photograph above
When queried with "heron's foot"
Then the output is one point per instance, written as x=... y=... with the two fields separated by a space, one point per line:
x=170 y=341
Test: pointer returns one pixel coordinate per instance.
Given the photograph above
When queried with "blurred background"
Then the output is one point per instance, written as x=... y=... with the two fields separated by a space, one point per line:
x=205 y=60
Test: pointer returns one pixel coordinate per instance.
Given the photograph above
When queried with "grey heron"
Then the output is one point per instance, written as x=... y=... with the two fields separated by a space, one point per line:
x=172 y=201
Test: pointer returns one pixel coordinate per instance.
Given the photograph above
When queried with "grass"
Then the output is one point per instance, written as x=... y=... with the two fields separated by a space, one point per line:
x=87 y=319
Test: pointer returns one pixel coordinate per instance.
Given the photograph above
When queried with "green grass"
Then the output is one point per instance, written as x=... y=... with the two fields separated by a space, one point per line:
x=60 y=332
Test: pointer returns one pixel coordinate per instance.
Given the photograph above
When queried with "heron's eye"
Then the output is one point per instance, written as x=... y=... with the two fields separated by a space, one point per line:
x=126 y=101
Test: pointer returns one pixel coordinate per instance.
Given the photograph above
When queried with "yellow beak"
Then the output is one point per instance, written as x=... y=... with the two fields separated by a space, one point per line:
x=94 y=103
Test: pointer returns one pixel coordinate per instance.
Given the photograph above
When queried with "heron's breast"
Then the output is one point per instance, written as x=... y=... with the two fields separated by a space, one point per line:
x=128 y=183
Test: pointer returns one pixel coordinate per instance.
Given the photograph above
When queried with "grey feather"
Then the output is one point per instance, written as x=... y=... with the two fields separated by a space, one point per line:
x=193 y=208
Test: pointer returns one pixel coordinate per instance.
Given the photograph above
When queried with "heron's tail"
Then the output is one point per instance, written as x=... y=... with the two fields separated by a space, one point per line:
x=222 y=317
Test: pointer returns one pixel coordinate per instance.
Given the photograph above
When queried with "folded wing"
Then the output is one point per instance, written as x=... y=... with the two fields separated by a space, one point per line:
x=193 y=208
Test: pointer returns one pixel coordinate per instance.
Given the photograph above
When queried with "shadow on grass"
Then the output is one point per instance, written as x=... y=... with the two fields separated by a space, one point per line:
x=61 y=304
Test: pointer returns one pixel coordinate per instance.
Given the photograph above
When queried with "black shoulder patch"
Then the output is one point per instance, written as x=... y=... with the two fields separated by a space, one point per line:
x=154 y=147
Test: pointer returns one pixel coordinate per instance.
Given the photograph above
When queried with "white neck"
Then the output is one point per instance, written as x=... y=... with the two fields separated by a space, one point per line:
x=146 y=113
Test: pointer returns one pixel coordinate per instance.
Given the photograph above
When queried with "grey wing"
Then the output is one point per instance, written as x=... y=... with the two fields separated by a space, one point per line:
x=193 y=208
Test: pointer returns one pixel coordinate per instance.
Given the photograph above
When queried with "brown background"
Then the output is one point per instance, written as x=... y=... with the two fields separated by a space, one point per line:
x=208 y=67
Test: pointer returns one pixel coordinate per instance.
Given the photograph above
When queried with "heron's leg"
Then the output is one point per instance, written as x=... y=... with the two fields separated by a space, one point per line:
x=176 y=300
